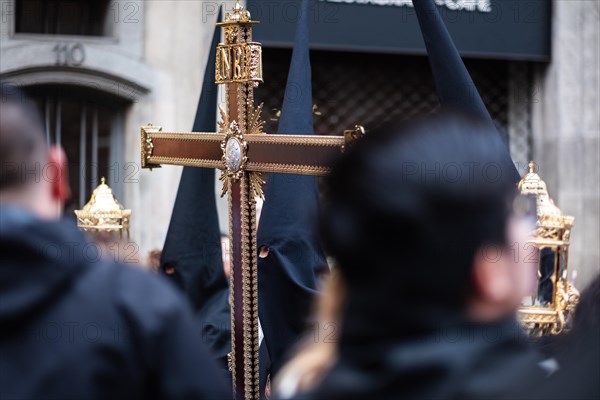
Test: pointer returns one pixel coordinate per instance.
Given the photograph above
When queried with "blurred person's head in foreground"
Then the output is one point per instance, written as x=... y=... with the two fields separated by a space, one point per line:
x=422 y=219
x=427 y=227
x=33 y=175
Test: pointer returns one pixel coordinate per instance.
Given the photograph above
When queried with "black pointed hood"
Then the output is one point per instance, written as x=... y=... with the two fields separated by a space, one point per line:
x=193 y=243
x=288 y=224
x=455 y=87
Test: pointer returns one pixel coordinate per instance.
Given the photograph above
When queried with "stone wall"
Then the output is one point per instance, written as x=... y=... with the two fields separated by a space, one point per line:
x=177 y=40
x=566 y=128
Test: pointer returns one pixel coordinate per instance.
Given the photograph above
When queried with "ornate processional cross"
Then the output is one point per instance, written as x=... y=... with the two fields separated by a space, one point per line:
x=243 y=152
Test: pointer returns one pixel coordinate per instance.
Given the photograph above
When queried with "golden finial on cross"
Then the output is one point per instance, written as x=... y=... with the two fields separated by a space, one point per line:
x=238 y=14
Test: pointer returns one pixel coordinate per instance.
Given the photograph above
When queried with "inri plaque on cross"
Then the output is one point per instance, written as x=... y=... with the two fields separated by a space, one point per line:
x=243 y=152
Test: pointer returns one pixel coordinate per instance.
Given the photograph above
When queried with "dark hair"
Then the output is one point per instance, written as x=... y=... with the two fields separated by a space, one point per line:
x=409 y=205
x=22 y=139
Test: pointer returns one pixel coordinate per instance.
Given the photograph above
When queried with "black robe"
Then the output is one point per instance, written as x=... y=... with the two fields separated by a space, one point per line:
x=464 y=361
x=77 y=326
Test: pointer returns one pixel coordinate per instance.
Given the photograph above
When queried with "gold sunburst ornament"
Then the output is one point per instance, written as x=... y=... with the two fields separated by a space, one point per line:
x=235 y=151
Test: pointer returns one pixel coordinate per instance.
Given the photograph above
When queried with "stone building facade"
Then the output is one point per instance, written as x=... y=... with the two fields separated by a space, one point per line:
x=566 y=127
x=101 y=71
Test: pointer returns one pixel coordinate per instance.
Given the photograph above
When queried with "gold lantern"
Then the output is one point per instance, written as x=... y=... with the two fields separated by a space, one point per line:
x=549 y=309
x=104 y=213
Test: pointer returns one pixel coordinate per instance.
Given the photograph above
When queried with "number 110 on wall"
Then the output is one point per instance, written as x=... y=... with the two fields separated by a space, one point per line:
x=72 y=54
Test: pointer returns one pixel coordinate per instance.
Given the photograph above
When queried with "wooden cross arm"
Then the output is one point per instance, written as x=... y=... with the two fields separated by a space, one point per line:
x=187 y=149
x=292 y=154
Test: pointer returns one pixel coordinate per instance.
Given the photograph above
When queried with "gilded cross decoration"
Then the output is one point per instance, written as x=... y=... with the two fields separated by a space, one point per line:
x=242 y=151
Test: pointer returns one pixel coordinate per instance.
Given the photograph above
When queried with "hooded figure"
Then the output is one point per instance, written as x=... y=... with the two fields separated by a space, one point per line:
x=192 y=255
x=290 y=257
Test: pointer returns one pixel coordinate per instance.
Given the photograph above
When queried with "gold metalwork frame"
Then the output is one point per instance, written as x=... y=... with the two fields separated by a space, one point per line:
x=103 y=212
x=553 y=230
x=146 y=145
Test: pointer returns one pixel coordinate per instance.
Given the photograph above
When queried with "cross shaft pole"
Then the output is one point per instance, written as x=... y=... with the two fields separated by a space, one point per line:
x=242 y=151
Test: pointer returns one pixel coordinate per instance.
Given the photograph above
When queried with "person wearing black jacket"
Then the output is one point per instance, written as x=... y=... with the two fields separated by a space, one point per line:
x=428 y=260
x=76 y=325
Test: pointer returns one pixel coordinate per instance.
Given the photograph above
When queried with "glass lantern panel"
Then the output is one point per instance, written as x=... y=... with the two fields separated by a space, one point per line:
x=546 y=272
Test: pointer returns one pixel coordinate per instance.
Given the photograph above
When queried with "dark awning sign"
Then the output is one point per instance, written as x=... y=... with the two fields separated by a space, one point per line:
x=466 y=5
x=499 y=29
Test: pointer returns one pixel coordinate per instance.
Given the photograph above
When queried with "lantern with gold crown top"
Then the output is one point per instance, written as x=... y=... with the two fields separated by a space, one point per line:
x=103 y=212
x=549 y=309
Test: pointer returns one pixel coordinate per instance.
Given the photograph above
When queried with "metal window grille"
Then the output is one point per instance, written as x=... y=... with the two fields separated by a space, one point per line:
x=90 y=131
x=522 y=96
x=62 y=17
x=367 y=89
